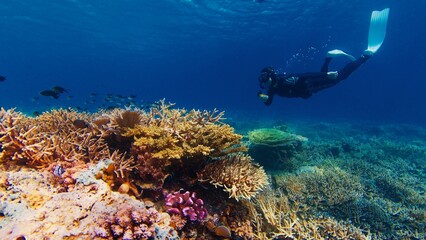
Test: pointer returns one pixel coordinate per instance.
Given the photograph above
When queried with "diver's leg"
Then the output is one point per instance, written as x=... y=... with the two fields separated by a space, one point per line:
x=327 y=61
x=315 y=85
x=351 y=67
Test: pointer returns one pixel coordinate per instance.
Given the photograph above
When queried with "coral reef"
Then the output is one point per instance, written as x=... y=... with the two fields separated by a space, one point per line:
x=143 y=149
x=120 y=175
x=369 y=175
x=87 y=212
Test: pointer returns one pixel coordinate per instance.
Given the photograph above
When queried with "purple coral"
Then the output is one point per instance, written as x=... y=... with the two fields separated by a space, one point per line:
x=187 y=205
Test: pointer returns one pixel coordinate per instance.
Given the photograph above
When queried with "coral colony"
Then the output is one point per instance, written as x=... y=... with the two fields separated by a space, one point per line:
x=187 y=205
x=169 y=173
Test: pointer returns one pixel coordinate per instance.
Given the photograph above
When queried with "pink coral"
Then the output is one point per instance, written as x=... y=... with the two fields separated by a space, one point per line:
x=187 y=205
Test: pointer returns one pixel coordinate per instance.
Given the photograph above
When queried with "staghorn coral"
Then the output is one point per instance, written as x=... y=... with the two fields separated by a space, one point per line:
x=275 y=217
x=56 y=136
x=237 y=174
x=333 y=187
x=322 y=187
x=396 y=190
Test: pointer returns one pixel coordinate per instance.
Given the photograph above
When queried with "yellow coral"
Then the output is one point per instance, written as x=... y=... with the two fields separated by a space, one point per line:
x=176 y=133
x=157 y=141
x=237 y=174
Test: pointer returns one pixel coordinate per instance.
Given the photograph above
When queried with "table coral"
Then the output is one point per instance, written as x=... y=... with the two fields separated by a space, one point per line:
x=274 y=148
x=274 y=137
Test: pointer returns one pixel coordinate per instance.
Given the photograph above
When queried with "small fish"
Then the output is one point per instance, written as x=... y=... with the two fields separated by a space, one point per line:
x=58 y=170
x=110 y=108
x=49 y=93
x=2 y=78
x=131 y=97
x=78 y=123
x=59 y=89
x=36 y=113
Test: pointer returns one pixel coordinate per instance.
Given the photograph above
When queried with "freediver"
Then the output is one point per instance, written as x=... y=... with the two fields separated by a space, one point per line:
x=303 y=85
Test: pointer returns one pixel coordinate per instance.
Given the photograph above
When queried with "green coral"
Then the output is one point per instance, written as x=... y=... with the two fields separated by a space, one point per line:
x=273 y=137
x=273 y=148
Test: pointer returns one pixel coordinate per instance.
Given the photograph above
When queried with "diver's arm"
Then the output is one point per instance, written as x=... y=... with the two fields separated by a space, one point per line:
x=265 y=98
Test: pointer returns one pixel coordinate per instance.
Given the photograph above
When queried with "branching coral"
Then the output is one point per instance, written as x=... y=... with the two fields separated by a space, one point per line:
x=275 y=217
x=333 y=186
x=175 y=133
x=237 y=174
x=324 y=188
x=20 y=143
x=59 y=135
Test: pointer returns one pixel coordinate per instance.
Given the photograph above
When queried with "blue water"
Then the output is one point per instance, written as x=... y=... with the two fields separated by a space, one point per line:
x=206 y=54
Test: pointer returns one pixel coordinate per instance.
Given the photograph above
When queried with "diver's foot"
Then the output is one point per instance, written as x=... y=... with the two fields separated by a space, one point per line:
x=337 y=52
x=368 y=53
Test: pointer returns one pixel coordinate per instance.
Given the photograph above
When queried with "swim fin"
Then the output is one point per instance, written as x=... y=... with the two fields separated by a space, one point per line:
x=377 y=32
x=338 y=52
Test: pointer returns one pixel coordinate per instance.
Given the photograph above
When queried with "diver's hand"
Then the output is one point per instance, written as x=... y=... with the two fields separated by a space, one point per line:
x=263 y=97
x=332 y=75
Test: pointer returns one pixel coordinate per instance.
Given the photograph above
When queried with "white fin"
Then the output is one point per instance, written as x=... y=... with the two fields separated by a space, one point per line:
x=377 y=32
x=338 y=52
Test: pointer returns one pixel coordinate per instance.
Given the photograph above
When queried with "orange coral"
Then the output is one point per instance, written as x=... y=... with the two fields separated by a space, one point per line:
x=59 y=135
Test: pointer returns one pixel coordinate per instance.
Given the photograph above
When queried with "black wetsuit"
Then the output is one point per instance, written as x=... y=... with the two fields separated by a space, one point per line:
x=303 y=85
